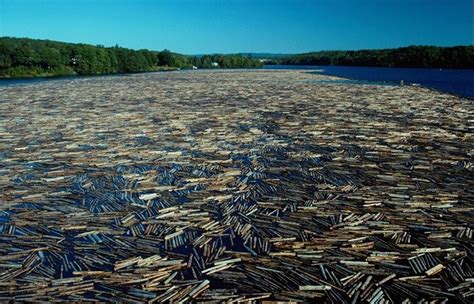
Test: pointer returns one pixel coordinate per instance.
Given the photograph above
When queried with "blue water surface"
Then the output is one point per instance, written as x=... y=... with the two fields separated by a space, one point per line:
x=460 y=82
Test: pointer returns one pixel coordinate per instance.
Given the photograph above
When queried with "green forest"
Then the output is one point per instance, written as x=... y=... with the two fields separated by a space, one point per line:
x=22 y=57
x=412 y=56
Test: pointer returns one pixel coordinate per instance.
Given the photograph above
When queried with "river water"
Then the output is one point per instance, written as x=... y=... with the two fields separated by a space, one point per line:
x=460 y=82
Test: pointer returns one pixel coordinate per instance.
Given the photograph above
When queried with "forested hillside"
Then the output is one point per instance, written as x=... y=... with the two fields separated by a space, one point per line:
x=412 y=56
x=21 y=57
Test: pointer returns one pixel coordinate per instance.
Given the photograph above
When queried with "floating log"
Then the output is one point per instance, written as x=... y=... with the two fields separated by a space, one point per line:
x=234 y=186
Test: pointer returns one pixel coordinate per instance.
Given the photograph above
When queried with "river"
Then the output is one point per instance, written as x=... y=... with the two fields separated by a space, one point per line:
x=460 y=82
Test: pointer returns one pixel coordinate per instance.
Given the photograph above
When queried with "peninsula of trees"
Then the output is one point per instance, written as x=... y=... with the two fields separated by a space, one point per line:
x=21 y=57
x=458 y=57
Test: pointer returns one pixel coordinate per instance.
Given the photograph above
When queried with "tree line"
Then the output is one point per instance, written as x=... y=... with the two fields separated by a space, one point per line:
x=411 y=56
x=22 y=57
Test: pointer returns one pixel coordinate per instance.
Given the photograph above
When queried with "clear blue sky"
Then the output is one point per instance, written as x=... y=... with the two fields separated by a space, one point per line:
x=229 y=26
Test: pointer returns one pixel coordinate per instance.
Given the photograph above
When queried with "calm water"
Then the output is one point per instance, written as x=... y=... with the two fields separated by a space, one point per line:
x=459 y=82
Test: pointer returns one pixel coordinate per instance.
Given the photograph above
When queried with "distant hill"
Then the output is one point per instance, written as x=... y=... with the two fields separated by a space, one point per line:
x=459 y=57
x=265 y=55
x=253 y=55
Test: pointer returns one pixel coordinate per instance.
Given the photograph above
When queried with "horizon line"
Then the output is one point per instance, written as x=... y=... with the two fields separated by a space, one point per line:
x=242 y=52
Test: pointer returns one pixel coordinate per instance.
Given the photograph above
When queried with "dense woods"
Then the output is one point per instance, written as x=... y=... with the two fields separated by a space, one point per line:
x=412 y=56
x=20 y=57
x=225 y=61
